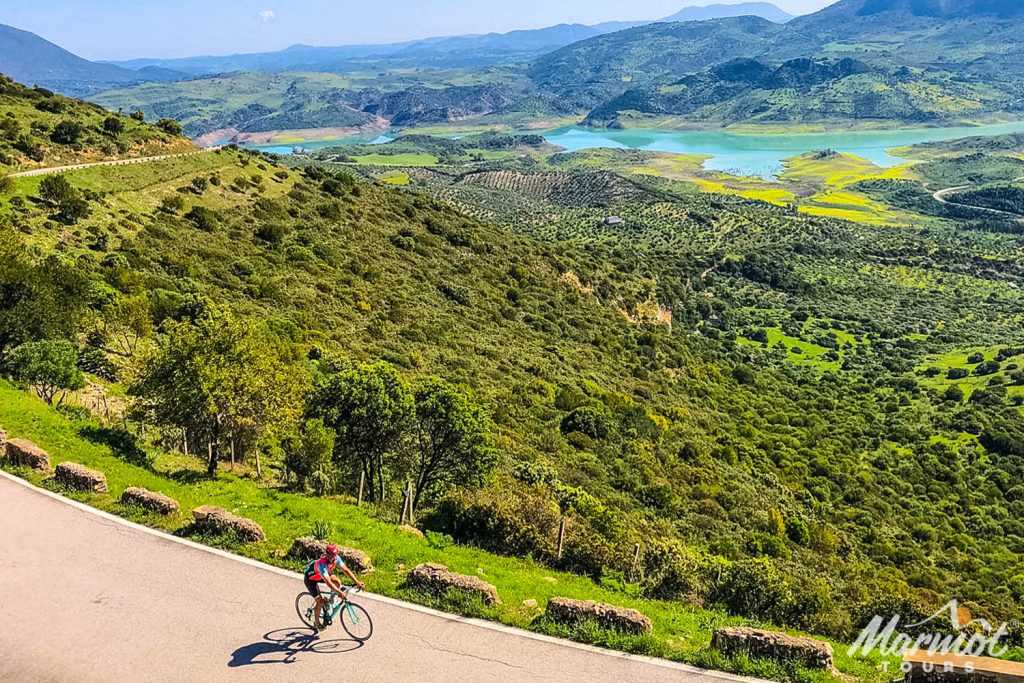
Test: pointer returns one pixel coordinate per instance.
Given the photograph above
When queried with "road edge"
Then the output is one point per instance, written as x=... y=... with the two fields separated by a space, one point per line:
x=480 y=623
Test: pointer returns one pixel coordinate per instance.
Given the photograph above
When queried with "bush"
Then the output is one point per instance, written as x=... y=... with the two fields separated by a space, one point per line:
x=754 y=588
x=587 y=420
x=169 y=126
x=66 y=132
x=203 y=218
x=797 y=531
x=113 y=125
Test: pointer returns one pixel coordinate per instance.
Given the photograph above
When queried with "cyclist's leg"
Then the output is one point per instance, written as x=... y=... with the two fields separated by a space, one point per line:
x=314 y=590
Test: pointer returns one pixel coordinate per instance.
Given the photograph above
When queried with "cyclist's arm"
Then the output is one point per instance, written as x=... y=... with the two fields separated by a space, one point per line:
x=348 y=572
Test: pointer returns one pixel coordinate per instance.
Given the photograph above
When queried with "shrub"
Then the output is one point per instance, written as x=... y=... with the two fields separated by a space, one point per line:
x=113 y=125
x=67 y=132
x=797 y=531
x=587 y=420
x=203 y=218
x=169 y=126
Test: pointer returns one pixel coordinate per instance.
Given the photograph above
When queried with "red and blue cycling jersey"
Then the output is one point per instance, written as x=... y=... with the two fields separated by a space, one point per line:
x=317 y=570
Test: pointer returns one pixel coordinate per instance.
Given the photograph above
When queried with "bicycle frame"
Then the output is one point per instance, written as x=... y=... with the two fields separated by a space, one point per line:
x=335 y=606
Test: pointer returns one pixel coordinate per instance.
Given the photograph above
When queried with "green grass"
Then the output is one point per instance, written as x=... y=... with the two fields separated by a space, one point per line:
x=969 y=384
x=680 y=632
x=810 y=353
x=410 y=159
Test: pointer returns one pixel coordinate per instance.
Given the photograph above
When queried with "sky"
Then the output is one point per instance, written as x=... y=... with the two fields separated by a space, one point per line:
x=124 y=29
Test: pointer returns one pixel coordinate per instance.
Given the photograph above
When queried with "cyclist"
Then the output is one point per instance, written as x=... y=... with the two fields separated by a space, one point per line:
x=320 y=570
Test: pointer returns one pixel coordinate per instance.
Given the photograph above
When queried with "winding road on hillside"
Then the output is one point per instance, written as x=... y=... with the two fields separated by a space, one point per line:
x=940 y=196
x=110 y=162
x=85 y=596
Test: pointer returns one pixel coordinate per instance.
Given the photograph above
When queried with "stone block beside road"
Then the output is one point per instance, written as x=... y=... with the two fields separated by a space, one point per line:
x=760 y=644
x=22 y=453
x=306 y=548
x=80 y=478
x=571 y=612
x=218 y=520
x=437 y=578
x=150 y=500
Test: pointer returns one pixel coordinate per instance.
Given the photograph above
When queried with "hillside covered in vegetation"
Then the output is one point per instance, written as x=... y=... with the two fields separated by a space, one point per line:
x=799 y=419
x=39 y=128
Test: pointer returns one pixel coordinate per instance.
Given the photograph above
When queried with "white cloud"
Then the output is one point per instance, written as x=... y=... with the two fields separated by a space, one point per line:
x=267 y=15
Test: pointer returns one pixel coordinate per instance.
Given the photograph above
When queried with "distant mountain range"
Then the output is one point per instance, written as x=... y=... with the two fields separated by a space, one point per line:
x=905 y=61
x=765 y=10
x=453 y=51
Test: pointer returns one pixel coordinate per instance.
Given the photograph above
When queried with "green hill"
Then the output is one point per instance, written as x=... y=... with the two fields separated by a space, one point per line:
x=806 y=90
x=604 y=66
x=39 y=128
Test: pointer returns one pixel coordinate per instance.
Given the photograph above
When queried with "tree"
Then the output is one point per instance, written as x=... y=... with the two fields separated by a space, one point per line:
x=221 y=380
x=50 y=367
x=66 y=132
x=169 y=126
x=308 y=455
x=38 y=300
x=55 y=190
x=127 y=320
x=452 y=439
x=369 y=408
x=113 y=125
x=138 y=115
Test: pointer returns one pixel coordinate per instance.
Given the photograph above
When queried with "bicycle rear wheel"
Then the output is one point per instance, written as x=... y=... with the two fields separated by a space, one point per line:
x=356 y=621
x=305 y=605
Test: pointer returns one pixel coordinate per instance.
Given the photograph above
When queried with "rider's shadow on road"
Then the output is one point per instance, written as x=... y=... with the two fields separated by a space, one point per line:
x=284 y=645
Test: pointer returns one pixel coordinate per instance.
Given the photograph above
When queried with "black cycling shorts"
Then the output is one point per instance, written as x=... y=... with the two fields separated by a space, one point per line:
x=312 y=586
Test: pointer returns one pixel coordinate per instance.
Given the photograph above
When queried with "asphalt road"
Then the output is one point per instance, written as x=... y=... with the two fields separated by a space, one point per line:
x=88 y=598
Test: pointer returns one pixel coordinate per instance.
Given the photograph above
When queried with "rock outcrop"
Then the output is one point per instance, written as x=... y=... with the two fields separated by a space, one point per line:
x=150 y=500
x=410 y=530
x=306 y=548
x=22 y=453
x=80 y=478
x=218 y=520
x=437 y=578
x=570 y=612
x=760 y=644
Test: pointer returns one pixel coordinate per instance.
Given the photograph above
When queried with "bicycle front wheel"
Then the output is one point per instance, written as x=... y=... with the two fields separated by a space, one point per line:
x=305 y=605
x=356 y=622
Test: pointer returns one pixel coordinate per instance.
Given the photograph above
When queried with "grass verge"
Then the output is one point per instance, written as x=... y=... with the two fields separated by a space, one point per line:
x=681 y=632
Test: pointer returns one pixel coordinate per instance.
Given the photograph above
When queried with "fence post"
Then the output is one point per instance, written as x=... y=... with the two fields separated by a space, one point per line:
x=232 y=455
x=405 y=504
x=408 y=496
x=561 y=536
x=259 y=470
x=184 y=440
x=362 y=483
x=636 y=559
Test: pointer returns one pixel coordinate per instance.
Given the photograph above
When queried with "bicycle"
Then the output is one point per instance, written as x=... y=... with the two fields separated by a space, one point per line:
x=354 y=619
